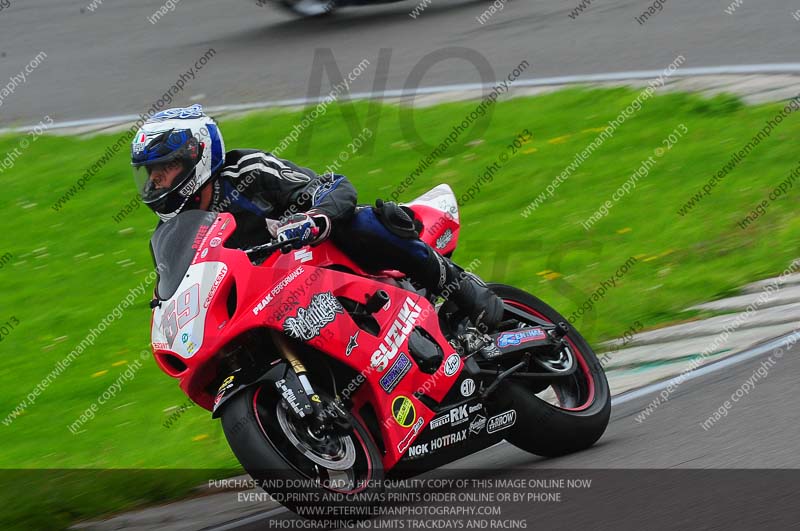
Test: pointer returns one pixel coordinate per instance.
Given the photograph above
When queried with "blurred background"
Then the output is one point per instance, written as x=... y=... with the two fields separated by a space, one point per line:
x=645 y=165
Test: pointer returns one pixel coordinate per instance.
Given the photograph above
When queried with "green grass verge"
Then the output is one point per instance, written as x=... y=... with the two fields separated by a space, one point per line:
x=70 y=268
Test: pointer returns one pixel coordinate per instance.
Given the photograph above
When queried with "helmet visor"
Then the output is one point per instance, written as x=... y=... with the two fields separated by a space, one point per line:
x=156 y=181
x=157 y=178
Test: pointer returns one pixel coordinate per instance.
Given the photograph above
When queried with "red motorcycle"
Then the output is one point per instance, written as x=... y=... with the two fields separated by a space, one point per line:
x=334 y=378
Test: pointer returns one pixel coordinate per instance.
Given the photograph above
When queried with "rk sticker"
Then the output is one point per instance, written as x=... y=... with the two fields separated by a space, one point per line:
x=459 y=415
x=403 y=411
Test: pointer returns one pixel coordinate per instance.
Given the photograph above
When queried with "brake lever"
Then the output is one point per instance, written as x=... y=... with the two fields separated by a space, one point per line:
x=285 y=246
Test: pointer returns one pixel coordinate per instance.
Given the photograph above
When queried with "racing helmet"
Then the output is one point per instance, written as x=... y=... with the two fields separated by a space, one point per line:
x=173 y=155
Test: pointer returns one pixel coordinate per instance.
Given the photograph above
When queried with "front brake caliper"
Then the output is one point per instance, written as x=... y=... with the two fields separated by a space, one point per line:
x=291 y=389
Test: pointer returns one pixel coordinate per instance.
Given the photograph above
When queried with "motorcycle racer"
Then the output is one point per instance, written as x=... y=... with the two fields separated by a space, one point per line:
x=180 y=163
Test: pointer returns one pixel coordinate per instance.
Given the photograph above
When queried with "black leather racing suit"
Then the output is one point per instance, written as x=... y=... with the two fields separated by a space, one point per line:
x=253 y=185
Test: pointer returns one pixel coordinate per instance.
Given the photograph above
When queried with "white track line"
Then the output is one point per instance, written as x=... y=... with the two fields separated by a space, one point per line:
x=706 y=369
x=236 y=524
x=768 y=68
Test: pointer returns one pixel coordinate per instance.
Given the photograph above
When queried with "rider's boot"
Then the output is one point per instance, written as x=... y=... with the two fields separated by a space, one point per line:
x=466 y=290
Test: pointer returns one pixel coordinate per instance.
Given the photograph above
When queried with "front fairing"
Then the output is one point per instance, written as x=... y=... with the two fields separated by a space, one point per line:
x=222 y=296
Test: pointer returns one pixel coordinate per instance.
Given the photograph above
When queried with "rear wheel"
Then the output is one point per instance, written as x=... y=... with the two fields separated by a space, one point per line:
x=565 y=414
x=312 y=475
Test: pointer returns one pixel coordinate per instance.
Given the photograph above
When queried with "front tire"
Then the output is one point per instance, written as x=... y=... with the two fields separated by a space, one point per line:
x=311 y=476
x=572 y=413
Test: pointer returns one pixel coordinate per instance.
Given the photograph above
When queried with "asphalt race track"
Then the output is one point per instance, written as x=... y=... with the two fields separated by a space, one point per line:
x=114 y=61
x=759 y=432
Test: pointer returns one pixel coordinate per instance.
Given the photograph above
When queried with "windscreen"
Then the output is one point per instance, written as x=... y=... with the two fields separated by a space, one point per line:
x=173 y=247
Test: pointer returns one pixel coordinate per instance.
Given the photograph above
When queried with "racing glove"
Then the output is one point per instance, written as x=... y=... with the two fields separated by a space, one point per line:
x=309 y=229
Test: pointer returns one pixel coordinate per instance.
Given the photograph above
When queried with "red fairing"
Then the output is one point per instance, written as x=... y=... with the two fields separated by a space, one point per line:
x=270 y=295
x=439 y=229
x=438 y=211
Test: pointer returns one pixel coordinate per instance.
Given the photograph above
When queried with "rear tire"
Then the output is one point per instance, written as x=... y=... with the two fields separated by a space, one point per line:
x=256 y=431
x=552 y=430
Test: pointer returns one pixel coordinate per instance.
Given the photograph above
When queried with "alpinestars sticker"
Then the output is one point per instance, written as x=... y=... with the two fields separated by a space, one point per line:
x=309 y=322
x=353 y=343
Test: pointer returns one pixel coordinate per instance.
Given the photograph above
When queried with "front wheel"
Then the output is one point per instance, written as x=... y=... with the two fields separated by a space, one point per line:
x=572 y=412
x=313 y=475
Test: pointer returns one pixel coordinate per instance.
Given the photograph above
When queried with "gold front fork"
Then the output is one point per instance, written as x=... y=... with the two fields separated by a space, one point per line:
x=287 y=352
